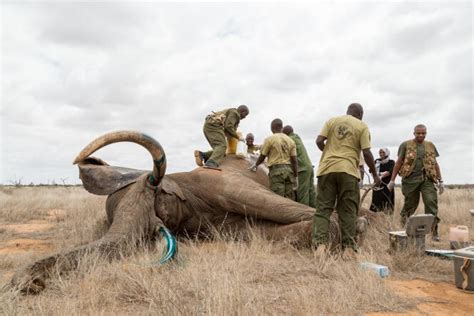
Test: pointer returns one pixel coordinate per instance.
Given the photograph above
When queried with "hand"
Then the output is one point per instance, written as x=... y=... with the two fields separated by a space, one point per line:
x=391 y=185
x=295 y=184
x=377 y=181
x=440 y=187
x=384 y=174
x=253 y=168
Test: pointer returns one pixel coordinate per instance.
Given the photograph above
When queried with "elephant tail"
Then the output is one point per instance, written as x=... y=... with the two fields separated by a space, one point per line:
x=150 y=144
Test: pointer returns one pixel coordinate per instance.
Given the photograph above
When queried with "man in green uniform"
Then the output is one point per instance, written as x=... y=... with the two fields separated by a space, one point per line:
x=282 y=162
x=420 y=172
x=341 y=141
x=217 y=127
x=251 y=147
x=305 y=193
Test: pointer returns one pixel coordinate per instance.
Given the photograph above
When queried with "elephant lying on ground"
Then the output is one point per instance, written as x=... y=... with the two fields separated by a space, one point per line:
x=141 y=204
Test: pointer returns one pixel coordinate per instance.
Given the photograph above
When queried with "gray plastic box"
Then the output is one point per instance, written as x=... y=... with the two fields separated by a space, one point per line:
x=417 y=228
x=464 y=257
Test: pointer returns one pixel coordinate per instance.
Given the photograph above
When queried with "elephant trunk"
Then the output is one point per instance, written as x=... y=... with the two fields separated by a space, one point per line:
x=154 y=147
x=133 y=219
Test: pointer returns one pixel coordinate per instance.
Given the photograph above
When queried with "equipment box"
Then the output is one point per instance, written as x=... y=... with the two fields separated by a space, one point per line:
x=464 y=268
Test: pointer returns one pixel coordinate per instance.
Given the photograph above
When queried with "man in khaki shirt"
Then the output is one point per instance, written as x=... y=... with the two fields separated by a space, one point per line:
x=281 y=152
x=341 y=141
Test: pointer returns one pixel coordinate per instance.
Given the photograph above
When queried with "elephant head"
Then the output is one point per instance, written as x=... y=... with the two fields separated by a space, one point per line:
x=130 y=208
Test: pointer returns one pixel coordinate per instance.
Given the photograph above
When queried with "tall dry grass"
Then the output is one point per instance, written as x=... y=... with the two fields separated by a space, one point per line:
x=222 y=276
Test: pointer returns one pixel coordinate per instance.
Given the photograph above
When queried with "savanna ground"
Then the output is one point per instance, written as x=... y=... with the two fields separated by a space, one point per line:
x=221 y=276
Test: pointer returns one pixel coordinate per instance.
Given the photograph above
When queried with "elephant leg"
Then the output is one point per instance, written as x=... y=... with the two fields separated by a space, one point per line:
x=133 y=218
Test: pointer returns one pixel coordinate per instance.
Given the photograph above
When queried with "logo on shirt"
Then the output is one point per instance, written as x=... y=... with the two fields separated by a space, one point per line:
x=343 y=131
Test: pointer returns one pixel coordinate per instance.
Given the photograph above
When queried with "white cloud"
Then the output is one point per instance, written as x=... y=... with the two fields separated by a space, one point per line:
x=73 y=71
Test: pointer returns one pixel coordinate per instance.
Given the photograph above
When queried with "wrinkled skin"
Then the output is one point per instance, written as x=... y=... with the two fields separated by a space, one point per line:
x=189 y=204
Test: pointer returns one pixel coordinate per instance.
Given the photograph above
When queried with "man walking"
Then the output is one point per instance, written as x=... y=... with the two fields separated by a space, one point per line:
x=420 y=173
x=217 y=127
x=341 y=141
x=305 y=193
x=282 y=162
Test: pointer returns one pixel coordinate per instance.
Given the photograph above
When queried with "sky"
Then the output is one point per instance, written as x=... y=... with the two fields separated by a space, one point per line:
x=73 y=71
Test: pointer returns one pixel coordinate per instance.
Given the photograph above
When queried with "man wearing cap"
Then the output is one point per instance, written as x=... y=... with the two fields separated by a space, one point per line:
x=420 y=174
x=305 y=193
x=282 y=162
x=217 y=127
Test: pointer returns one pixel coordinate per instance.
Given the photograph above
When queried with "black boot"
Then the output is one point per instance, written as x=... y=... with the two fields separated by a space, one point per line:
x=434 y=232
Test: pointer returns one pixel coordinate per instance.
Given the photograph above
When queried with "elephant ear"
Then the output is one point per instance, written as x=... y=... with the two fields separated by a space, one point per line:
x=101 y=179
x=172 y=188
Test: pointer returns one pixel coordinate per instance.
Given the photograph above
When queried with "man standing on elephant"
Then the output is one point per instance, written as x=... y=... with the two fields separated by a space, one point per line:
x=217 y=127
x=420 y=173
x=305 y=193
x=282 y=162
x=341 y=141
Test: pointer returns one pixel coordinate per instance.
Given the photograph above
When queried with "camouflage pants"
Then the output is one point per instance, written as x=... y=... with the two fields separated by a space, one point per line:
x=216 y=138
x=282 y=180
x=341 y=190
x=411 y=191
x=306 y=193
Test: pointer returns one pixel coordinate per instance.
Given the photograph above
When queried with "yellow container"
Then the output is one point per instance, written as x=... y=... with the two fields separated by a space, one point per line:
x=232 y=144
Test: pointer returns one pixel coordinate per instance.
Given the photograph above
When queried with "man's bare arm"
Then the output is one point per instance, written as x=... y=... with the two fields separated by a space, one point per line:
x=396 y=168
x=260 y=159
x=294 y=165
x=320 y=142
x=369 y=160
x=438 y=172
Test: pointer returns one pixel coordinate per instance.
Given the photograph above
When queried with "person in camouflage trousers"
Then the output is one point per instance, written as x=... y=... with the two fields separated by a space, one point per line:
x=306 y=193
x=420 y=174
x=282 y=162
x=219 y=126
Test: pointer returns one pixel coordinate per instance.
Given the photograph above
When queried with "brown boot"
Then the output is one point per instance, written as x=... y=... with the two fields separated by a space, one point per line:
x=199 y=158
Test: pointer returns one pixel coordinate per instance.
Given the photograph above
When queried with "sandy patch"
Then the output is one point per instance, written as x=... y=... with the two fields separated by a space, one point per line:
x=442 y=298
x=24 y=244
x=33 y=226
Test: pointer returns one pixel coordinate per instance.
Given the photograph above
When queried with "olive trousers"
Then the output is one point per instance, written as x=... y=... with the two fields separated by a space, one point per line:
x=339 y=190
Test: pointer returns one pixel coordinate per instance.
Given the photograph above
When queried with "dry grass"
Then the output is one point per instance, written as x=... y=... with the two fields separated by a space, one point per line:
x=211 y=277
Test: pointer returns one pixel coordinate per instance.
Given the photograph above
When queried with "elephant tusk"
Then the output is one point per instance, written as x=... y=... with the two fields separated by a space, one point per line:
x=153 y=147
x=171 y=246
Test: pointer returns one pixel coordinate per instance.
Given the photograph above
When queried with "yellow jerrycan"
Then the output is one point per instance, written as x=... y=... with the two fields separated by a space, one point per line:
x=232 y=144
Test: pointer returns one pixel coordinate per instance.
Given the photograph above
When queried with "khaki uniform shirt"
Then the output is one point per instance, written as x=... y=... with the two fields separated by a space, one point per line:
x=346 y=137
x=253 y=149
x=278 y=148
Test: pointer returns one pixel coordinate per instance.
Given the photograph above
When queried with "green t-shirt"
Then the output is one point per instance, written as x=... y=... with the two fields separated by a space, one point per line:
x=420 y=154
x=346 y=137
x=278 y=148
x=304 y=163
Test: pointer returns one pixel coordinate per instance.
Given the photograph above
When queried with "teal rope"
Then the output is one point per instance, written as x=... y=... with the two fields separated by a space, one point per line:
x=171 y=245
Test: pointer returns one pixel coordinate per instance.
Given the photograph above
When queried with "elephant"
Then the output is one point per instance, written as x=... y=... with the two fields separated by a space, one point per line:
x=143 y=204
